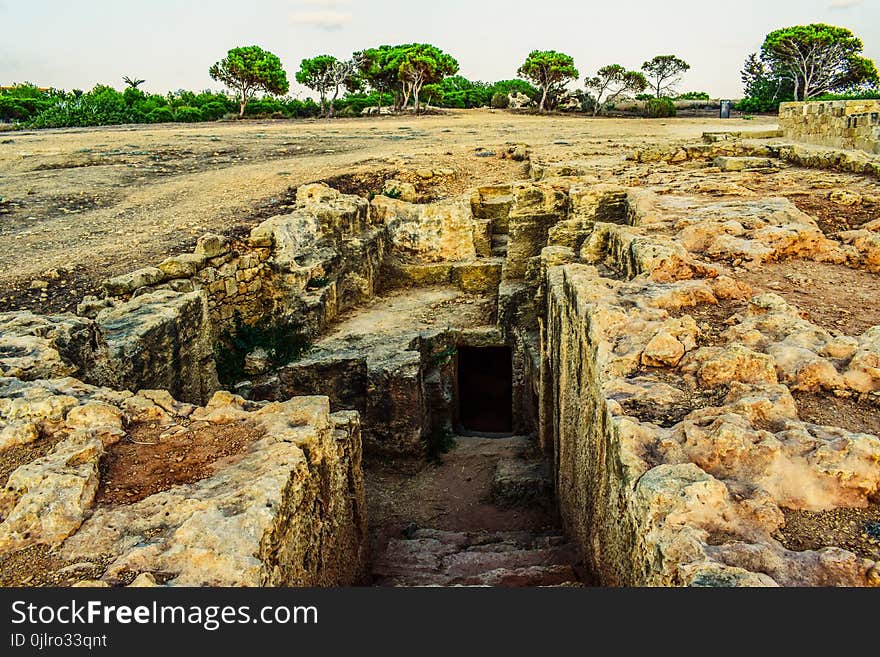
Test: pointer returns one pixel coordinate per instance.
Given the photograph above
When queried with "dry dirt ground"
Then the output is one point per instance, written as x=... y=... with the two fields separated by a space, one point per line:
x=80 y=205
x=148 y=461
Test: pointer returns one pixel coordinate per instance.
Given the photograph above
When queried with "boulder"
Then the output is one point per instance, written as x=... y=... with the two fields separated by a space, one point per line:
x=159 y=340
x=128 y=283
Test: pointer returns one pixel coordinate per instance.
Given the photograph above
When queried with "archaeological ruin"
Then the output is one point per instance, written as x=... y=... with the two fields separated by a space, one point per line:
x=650 y=360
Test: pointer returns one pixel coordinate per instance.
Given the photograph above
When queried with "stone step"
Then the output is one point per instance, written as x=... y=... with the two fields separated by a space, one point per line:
x=430 y=557
x=552 y=575
x=499 y=244
x=473 y=563
x=522 y=483
x=524 y=540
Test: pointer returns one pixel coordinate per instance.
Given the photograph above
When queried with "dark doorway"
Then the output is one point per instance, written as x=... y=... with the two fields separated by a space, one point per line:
x=485 y=390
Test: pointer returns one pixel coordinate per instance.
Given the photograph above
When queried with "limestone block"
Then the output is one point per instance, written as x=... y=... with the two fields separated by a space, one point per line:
x=428 y=233
x=744 y=163
x=182 y=266
x=483 y=238
x=212 y=246
x=481 y=277
x=159 y=340
x=128 y=283
x=403 y=190
x=337 y=214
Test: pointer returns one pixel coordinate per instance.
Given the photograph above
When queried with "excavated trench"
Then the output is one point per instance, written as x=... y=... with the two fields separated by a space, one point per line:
x=544 y=374
x=457 y=491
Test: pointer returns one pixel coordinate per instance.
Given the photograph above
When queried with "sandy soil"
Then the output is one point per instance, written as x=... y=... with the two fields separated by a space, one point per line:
x=80 y=205
x=856 y=530
x=835 y=297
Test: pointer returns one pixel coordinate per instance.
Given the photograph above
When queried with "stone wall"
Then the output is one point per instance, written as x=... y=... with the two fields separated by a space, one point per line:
x=308 y=265
x=382 y=381
x=160 y=339
x=695 y=499
x=849 y=124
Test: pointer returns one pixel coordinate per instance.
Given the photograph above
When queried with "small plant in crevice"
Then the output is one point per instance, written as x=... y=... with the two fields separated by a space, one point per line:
x=283 y=342
x=392 y=193
x=443 y=357
x=318 y=282
x=440 y=441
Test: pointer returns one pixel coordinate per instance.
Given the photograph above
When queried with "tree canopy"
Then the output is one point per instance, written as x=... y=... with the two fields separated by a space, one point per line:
x=664 y=72
x=550 y=71
x=421 y=64
x=816 y=59
x=248 y=70
x=611 y=82
x=325 y=73
x=380 y=69
x=405 y=69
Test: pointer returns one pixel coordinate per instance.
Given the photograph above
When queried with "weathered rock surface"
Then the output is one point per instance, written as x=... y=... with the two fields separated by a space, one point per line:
x=724 y=470
x=159 y=340
x=39 y=347
x=427 y=233
x=289 y=511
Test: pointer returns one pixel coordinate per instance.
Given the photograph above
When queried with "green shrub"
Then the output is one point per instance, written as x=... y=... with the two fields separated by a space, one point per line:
x=644 y=96
x=213 y=111
x=660 y=108
x=284 y=343
x=264 y=107
x=515 y=86
x=500 y=101
x=160 y=115
x=440 y=441
x=693 y=95
x=763 y=105
x=188 y=115
x=873 y=94
x=757 y=105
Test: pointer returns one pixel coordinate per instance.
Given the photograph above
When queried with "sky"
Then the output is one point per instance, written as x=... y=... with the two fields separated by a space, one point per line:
x=171 y=43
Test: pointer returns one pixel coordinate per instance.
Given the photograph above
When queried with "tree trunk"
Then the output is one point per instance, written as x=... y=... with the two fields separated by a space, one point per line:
x=543 y=100
x=332 y=109
x=416 y=98
x=241 y=106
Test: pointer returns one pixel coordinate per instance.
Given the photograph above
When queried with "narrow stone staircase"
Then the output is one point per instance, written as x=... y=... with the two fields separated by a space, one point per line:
x=431 y=557
x=485 y=516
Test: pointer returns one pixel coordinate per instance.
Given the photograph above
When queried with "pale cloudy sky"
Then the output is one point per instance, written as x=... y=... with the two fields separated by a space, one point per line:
x=171 y=43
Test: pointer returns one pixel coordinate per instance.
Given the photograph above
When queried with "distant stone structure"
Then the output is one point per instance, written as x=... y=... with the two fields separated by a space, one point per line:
x=853 y=124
